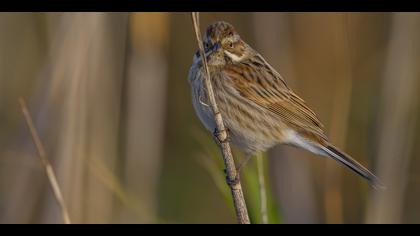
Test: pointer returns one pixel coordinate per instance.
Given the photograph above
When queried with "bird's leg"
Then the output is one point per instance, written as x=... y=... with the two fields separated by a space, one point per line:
x=235 y=181
x=243 y=162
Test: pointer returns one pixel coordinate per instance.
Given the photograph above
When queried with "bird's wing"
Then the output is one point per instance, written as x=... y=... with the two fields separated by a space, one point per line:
x=258 y=82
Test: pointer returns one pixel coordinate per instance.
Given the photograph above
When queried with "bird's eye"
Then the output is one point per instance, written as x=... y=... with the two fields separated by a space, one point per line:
x=231 y=44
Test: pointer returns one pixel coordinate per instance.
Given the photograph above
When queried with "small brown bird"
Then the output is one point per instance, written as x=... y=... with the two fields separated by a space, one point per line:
x=259 y=109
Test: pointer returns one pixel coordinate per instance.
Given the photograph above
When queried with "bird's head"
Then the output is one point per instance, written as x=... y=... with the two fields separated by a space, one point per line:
x=223 y=45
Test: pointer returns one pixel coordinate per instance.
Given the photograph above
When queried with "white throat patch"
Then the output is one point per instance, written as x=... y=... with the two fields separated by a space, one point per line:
x=234 y=57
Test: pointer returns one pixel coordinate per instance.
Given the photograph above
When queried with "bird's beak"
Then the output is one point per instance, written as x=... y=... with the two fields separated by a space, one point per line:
x=213 y=49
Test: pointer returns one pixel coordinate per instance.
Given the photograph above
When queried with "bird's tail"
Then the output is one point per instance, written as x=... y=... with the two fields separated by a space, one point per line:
x=346 y=160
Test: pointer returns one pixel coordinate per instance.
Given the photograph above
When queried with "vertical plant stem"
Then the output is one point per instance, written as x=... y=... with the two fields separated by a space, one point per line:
x=339 y=117
x=236 y=189
x=44 y=159
x=262 y=189
x=397 y=122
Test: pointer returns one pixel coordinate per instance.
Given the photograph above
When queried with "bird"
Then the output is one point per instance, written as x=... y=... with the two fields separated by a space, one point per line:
x=259 y=109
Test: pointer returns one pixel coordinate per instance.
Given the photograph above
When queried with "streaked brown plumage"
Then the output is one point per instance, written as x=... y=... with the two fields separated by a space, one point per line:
x=258 y=107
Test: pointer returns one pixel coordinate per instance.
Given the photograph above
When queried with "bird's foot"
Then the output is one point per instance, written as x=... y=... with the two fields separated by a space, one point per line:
x=233 y=183
x=217 y=136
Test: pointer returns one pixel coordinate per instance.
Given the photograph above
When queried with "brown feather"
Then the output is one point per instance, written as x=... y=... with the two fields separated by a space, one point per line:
x=266 y=88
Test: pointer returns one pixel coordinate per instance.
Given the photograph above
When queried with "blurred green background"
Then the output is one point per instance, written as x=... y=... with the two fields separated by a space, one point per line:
x=110 y=98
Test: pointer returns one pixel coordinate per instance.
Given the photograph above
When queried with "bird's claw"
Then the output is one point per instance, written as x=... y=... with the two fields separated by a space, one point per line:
x=217 y=137
x=233 y=182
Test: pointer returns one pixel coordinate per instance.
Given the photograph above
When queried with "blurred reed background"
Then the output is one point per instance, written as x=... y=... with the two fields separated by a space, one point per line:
x=110 y=98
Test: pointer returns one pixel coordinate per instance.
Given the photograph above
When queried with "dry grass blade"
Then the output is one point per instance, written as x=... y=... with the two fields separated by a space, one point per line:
x=236 y=189
x=43 y=155
x=262 y=189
